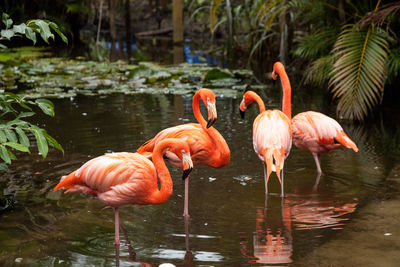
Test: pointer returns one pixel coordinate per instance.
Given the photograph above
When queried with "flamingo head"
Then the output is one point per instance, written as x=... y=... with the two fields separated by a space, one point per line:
x=246 y=101
x=208 y=98
x=277 y=68
x=182 y=150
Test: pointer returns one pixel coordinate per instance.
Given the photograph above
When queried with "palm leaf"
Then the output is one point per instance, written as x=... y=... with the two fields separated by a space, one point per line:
x=359 y=72
x=320 y=71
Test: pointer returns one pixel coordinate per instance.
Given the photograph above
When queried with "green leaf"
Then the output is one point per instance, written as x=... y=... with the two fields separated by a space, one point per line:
x=46 y=106
x=11 y=135
x=30 y=34
x=20 y=28
x=41 y=142
x=3 y=137
x=217 y=74
x=25 y=114
x=3 y=46
x=23 y=139
x=54 y=142
x=57 y=30
x=7 y=34
x=6 y=20
x=17 y=146
x=12 y=156
x=4 y=154
x=43 y=29
x=3 y=167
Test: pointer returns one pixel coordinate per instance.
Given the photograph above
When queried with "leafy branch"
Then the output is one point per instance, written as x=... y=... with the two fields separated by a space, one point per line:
x=29 y=30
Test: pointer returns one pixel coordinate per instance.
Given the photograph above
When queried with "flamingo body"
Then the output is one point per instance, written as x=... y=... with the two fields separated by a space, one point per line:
x=319 y=133
x=116 y=179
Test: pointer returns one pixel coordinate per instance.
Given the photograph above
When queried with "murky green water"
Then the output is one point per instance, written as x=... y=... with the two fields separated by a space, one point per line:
x=231 y=224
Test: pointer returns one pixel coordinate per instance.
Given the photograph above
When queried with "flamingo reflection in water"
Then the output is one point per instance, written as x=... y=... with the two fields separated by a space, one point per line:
x=273 y=242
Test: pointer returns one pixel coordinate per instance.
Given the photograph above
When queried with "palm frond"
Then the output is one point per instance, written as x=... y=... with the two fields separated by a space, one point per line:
x=213 y=14
x=320 y=71
x=393 y=64
x=359 y=71
x=316 y=44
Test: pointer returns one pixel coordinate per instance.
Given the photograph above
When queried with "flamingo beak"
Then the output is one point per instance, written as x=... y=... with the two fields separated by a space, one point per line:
x=187 y=165
x=274 y=76
x=242 y=108
x=212 y=113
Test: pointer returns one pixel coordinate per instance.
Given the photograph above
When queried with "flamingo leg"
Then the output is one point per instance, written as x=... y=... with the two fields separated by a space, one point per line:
x=186 y=201
x=265 y=178
x=316 y=158
x=282 y=183
x=117 y=242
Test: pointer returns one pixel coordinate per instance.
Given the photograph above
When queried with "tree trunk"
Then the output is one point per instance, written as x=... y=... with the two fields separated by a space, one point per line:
x=284 y=34
x=128 y=27
x=111 y=9
x=177 y=19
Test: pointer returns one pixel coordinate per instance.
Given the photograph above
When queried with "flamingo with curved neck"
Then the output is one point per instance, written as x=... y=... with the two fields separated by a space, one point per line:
x=272 y=137
x=207 y=146
x=312 y=131
x=124 y=178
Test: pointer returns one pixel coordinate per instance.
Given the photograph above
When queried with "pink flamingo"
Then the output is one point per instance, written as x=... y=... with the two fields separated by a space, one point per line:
x=272 y=137
x=312 y=131
x=124 y=178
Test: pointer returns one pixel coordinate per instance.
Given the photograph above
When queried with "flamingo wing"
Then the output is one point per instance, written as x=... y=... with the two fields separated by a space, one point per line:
x=318 y=133
x=116 y=179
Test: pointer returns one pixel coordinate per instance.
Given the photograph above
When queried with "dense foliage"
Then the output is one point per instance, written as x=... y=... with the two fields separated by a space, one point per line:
x=15 y=130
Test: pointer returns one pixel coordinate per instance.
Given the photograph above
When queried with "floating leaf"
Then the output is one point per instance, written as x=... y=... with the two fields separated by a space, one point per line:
x=217 y=74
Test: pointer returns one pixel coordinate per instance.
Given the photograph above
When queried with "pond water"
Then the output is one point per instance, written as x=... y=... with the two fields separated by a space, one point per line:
x=232 y=223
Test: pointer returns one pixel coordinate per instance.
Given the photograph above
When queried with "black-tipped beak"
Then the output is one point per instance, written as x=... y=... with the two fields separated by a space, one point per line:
x=210 y=122
x=186 y=173
x=241 y=113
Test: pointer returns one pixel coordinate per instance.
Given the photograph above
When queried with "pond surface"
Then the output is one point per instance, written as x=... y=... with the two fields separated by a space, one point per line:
x=231 y=223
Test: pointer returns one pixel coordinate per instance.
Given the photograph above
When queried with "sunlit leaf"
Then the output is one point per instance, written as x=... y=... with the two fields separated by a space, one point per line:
x=21 y=28
x=57 y=30
x=42 y=28
x=6 y=20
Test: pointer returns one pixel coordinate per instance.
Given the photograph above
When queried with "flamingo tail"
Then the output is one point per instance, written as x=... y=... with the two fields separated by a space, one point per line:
x=146 y=149
x=346 y=141
x=274 y=159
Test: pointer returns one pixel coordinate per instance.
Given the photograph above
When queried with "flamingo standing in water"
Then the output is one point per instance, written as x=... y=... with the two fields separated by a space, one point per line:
x=312 y=131
x=207 y=146
x=128 y=178
x=272 y=137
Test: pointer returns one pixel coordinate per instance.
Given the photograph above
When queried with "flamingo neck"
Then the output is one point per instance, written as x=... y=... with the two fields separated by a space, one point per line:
x=254 y=97
x=287 y=93
x=196 y=111
x=162 y=195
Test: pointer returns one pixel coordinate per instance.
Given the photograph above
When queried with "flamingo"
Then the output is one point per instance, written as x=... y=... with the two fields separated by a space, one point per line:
x=207 y=146
x=312 y=131
x=272 y=137
x=124 y=178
